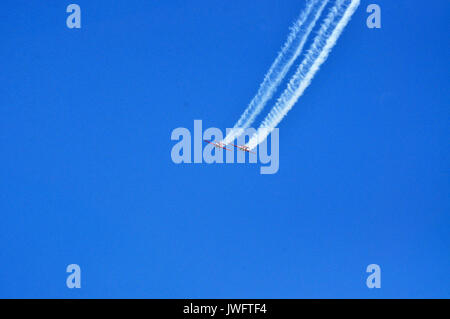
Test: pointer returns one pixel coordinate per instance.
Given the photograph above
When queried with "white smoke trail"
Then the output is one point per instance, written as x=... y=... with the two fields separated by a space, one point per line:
x=288 y=54
x=325 y=40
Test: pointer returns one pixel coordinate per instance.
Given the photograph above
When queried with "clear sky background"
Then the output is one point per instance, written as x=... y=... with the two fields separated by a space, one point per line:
x=86 y=175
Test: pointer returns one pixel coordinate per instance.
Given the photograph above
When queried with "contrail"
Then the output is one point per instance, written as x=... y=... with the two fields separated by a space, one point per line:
x=332 y=27
x=288 y=54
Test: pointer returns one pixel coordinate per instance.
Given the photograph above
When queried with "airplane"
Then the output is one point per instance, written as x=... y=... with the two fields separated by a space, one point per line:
x=243 y=148
x=218 y=145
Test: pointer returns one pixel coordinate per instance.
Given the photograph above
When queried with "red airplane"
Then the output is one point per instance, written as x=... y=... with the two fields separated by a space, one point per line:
x=243 y=148
x=218 y=145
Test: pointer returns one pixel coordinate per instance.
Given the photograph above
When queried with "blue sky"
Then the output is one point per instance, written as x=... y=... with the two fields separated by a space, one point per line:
x=86 y=175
